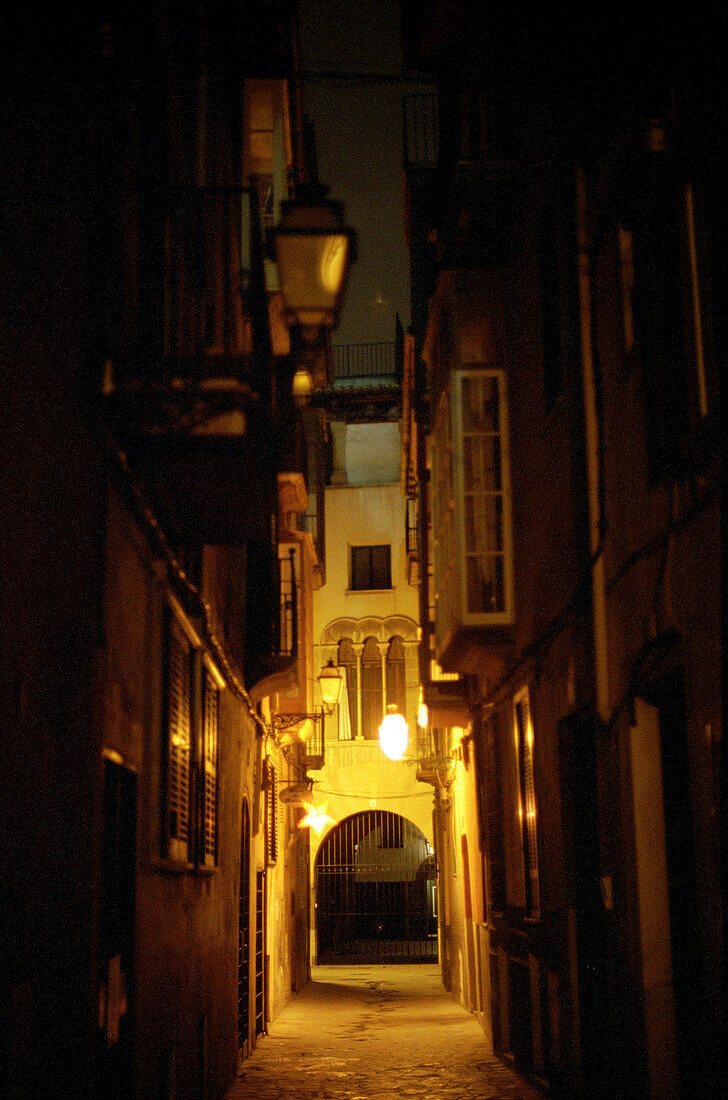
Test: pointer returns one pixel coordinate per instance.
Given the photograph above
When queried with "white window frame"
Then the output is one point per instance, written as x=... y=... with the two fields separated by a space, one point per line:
x=466 y=617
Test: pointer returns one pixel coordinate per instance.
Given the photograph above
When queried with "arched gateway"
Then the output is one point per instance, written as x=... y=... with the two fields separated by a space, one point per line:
x=375 y=892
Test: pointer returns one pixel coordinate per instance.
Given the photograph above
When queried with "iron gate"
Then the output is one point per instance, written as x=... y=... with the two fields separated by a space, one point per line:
x=376 y=898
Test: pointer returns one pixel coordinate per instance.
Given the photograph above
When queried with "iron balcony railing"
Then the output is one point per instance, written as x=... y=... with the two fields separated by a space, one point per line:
x=411 y=527
x=314 y=747
x=377 y=360
x=288 y=620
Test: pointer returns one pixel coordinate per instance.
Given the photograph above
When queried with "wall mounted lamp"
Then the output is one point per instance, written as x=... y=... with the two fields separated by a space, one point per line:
x=313 y=250
x=329 y=680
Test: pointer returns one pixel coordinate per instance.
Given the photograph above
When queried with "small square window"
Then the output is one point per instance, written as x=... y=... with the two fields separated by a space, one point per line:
x=370 y=567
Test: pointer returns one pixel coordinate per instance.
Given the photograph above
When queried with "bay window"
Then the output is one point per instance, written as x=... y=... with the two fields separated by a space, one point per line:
x=471 y=504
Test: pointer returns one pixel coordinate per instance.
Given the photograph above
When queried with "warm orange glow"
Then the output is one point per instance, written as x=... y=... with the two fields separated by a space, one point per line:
x=315 y=818
x=393 y=734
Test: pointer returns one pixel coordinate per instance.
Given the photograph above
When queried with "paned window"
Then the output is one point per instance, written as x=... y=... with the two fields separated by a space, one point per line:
x=471 y=505
x=527 y=800
x=370 y=568
x=177 y=810
x=482 y=494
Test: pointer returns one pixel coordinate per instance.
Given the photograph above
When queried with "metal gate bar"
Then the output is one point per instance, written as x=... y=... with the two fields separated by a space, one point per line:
x=375 y=892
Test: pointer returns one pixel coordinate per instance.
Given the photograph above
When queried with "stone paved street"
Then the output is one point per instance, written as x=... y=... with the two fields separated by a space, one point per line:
x=376 y=1033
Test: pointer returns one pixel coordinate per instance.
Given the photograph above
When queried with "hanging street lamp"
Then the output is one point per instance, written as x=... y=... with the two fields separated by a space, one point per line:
x=393 y=733
x=313 y=250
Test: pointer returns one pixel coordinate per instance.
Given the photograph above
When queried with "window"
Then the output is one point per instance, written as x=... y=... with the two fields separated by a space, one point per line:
x=666 y=306
x=370 y=567
x=177 y=808
x=372 y=708
x=208 y=771
x=483 y=494
x=527 y=800
x=493 y=814
x=472 y=542
x=349 y=704
x=374 y=677
x=190 y=793
x=396 y=684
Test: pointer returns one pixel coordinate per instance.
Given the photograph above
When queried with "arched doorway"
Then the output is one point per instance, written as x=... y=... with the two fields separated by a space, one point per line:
x=375 y=892
x=244 y=936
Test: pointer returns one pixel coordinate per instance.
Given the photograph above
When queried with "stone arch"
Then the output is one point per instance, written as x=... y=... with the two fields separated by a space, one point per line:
x=374 y=896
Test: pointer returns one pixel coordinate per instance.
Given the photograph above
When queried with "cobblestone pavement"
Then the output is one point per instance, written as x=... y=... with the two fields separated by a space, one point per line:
x=376 y=1033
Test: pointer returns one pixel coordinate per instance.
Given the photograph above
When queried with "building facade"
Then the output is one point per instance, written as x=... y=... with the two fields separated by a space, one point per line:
x=562 y=456
x=157 y=580
x=378 y=841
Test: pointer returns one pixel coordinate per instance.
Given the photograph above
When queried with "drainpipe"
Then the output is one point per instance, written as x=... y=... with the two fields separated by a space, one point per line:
x=593 y=460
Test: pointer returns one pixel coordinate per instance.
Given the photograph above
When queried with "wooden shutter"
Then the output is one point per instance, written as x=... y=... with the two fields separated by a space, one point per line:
x=178 y=744
x=271 y=794
x=209 y=771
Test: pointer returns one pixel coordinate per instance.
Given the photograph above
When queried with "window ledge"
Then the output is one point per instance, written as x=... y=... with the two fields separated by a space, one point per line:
x=177 y=867
x=366 y=591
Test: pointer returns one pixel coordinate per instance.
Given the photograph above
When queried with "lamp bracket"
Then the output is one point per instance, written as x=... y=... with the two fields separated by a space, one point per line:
x=286 y=721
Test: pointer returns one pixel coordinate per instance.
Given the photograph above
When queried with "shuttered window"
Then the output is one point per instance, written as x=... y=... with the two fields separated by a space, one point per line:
x=271 y=816
x=208 y=775
x=178 y=744
x=370 y=568
x=527 y=801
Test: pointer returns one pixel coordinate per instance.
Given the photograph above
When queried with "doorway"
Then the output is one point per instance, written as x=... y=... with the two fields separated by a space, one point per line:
x=374 y=880
x=580 y=805
x=244 y=936
x=116 y=930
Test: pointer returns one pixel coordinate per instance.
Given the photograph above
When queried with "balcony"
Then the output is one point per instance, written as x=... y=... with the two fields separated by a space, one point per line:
x=374 y=362
x=446 y=699
x=411 y=536
x=187 y=386
x=271 y=612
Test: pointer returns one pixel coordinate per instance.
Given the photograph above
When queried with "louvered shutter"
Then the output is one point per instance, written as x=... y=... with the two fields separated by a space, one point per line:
x=209 y=764
x=178 y=743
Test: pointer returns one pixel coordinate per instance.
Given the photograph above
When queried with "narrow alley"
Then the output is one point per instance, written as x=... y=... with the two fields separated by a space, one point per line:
x=361 y=1032
x=360 y=551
